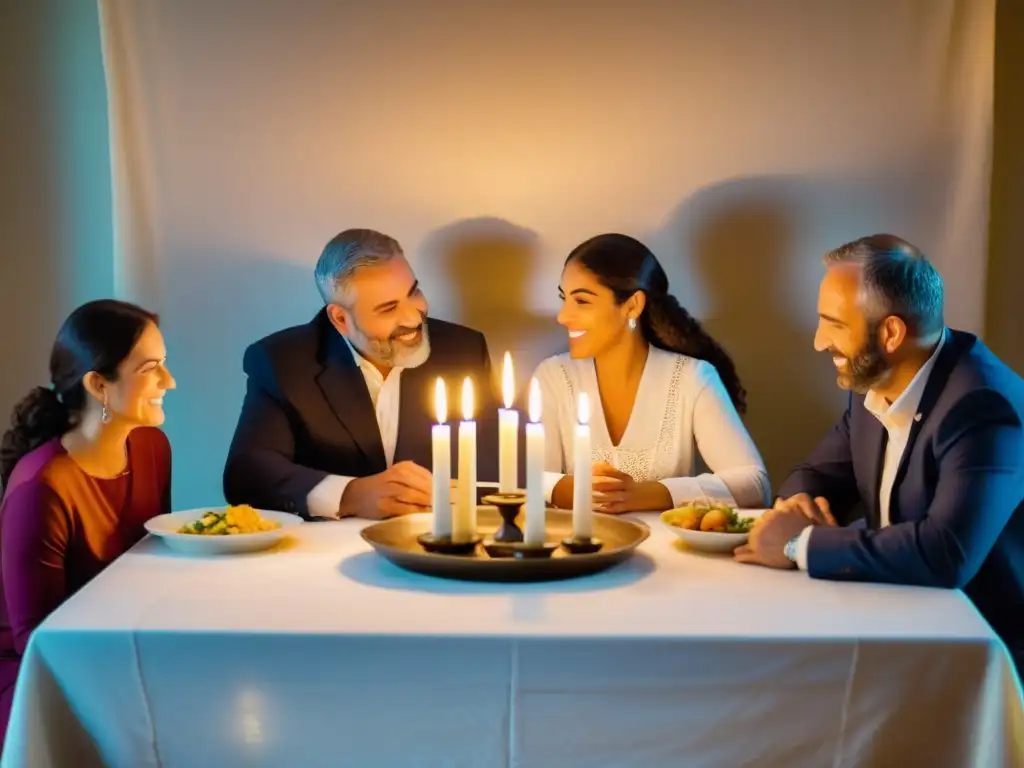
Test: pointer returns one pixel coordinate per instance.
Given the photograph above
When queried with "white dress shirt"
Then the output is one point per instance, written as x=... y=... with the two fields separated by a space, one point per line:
x=324 y=500
x=897 y=418
x=681 y=408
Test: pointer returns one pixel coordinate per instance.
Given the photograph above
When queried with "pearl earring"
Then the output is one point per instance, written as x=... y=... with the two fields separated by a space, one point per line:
x=631 y=323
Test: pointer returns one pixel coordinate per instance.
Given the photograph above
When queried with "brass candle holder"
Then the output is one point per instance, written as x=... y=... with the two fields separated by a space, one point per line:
x=443 y=545
x=508 y=539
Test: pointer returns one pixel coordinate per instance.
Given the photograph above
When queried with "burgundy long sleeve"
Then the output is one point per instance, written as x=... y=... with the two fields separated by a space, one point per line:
x=60 y=527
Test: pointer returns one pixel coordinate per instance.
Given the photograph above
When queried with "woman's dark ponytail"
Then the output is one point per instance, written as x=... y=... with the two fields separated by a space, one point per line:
x=36 y=419
x=96 y=337
x=667 y=325
x=625 y=266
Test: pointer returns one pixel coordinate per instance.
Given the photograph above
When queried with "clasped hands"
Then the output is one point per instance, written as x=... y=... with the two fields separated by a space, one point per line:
x=773 y=530
x=404 y=488
x=615 y=492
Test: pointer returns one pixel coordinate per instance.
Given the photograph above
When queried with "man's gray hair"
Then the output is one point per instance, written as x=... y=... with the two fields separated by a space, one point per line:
x=347 y=252
x=897 y=279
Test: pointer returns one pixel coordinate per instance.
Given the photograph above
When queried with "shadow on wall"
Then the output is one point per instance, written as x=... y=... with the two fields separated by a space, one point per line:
x=251 y=296
x=490 y=264
x=742 y=243
x=753 y=248
x=744 y=255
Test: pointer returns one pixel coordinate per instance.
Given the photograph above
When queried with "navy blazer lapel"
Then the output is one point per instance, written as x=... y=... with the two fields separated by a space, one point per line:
x=344 y=387
x=944 y=364
x=875 y=438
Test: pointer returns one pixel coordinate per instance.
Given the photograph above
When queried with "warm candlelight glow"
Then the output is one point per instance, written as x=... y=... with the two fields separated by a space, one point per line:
x=508 y=382
x=467 y=399
x=534 y=401
x=441 y=401
x=583 y=409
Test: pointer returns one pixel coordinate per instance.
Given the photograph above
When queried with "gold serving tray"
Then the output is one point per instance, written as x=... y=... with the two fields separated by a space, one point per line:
x=396 y=540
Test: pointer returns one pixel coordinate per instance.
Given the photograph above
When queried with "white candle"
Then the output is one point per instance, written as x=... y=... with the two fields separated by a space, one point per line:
x=535 y=506
x=508 y=432
x=582 y=501
x=464 y=525
x=441 y=443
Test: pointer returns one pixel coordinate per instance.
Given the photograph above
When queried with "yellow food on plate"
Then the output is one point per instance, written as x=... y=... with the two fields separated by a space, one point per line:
x=716 y=520
x=688 y=518
x=709 y=518
x=230 y=522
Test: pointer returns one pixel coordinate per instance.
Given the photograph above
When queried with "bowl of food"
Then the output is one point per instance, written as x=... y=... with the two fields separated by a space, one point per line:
x=716 y=528
x=226 y=531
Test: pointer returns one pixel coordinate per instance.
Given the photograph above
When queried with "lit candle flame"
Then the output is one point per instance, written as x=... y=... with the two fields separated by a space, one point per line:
x=467 y=399
x=508 y=382
x=534 y=401
x=441 y=401
x=583 y=408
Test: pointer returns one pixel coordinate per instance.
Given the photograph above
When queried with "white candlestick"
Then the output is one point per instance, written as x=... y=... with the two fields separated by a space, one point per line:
x=508 y=433
x=464 y=527
x=441 y=444
x=535 y=506
x=582 y=493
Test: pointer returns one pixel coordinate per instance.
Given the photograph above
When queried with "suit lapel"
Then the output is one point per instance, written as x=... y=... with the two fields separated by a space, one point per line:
x=875 y=438
x=344 y=388
x=947 y=358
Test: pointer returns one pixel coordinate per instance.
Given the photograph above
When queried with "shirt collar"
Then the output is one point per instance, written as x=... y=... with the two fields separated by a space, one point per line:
x=904 y=408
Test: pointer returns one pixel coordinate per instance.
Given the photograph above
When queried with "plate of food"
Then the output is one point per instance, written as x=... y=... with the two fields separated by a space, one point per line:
x=711 y=527
x=226 y=531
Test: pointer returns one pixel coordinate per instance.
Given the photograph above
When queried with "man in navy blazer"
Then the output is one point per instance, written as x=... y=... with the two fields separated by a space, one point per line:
x=929 y=452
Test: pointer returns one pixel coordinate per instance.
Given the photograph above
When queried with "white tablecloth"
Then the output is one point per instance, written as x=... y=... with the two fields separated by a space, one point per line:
x=321 y=653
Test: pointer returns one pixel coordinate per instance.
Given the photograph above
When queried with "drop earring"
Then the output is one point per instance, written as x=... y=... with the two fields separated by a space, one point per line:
x=105 y=414
x=631 y=323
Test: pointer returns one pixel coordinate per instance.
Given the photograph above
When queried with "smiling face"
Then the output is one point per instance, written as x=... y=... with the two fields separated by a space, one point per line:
x=594 y=319
x=136 y=397
x=847 y=333
x=385 y=314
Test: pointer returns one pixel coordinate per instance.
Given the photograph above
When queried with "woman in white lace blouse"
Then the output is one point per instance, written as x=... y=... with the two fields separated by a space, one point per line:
x=661 y=389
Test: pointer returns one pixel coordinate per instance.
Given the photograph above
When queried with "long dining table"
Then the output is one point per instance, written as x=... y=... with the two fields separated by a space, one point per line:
x=321 y=653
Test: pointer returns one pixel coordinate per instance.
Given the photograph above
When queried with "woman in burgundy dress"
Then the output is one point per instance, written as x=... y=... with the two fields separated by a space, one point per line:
x=83 y=466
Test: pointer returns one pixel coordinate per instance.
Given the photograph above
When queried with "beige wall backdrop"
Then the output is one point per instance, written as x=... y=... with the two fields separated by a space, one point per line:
x=739 y=139
x=55 y=185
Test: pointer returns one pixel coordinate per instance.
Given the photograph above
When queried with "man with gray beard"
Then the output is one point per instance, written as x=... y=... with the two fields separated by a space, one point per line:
x=337 y=415
x=929 y=453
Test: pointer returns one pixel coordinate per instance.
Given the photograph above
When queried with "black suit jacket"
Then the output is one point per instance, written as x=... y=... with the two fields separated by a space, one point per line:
x=957 y=504
x=307 y=412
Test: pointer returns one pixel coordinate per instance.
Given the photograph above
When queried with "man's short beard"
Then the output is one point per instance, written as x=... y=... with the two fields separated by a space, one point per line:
x=391 y=351
x=868 y=367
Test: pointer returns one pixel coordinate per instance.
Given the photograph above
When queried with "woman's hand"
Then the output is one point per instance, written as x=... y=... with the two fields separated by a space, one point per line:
x=615 y=492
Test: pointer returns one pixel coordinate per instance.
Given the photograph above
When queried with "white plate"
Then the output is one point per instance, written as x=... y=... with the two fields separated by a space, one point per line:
x=166 y=527
x=710 y=541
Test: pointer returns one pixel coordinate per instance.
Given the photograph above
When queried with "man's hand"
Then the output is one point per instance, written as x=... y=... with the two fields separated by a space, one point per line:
x=773 y=530
x=769 y=536
x=615 y=492
x=403 y=489
x=816 y=510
